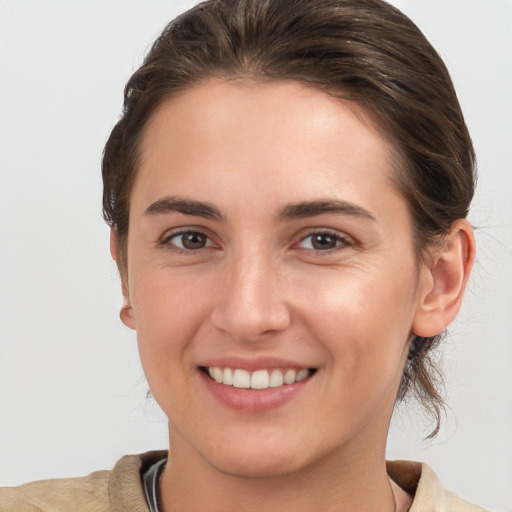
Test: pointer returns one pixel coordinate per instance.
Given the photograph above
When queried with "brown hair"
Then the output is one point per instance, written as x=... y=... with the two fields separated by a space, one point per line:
x=365 y=51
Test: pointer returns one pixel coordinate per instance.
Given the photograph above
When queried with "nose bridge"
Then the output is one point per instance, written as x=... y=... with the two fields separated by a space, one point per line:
x=251 y=302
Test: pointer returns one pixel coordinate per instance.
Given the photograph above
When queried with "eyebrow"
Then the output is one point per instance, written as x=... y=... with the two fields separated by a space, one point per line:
x=306 y=209
x=171 y=204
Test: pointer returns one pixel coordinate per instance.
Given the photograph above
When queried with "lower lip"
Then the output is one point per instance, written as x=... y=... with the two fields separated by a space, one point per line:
x=253 y=400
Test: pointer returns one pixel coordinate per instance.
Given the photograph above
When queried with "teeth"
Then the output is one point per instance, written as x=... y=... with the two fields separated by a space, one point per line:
x=301 y=375
x=289 y=376
x=228 y=376
x=241 y=379
x=276 y=379
x=259 y=379
x=218 y=375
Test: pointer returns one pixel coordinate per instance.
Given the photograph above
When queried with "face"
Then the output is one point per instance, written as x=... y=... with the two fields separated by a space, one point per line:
x=271 y=275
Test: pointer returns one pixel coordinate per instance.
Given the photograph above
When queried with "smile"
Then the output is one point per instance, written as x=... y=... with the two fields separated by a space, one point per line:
x=259 y=379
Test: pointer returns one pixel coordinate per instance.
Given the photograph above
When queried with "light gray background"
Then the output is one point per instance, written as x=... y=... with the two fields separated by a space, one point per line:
x=72 y=394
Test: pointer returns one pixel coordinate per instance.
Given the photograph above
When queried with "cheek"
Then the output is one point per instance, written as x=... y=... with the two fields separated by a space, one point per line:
x=167 y=301
x=363 y=320
x=168 y=315
x=364 y=330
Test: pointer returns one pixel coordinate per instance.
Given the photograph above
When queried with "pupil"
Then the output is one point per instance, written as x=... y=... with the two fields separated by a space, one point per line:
x=324 y=242
x=193 y=241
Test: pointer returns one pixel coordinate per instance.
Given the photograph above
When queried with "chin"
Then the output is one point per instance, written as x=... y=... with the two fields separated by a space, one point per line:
x=256 y=465
x=255 y=457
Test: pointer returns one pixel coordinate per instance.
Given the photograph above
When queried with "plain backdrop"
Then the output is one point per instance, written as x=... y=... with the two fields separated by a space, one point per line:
x=72 y=393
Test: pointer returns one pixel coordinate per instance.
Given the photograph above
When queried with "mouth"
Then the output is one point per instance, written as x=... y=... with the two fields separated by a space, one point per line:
x=258 y=379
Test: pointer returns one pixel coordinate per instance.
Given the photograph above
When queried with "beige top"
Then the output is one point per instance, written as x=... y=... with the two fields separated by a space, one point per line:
x=120 y=490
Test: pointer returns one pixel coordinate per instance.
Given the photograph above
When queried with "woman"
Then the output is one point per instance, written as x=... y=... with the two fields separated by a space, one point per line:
x=287 y=190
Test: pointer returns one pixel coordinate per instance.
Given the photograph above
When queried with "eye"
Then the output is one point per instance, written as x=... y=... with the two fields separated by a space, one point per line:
x=187 y=240
x=324 y=241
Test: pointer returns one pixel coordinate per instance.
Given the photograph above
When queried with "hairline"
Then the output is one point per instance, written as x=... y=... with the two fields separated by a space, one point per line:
x=372 y=119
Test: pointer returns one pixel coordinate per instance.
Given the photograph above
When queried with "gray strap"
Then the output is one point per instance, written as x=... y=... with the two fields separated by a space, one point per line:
x=150 y=482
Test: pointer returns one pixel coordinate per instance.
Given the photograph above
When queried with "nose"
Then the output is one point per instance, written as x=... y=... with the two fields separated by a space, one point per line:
x=251 y=302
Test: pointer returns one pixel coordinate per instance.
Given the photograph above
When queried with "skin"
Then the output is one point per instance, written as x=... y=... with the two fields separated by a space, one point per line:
x=260 y=288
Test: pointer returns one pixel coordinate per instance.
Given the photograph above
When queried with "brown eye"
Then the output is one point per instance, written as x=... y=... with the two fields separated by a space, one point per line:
x=324 y=241
x=189 y=240
x=193 y=240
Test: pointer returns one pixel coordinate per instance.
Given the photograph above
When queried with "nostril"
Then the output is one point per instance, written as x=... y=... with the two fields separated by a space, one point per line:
x=250 y=322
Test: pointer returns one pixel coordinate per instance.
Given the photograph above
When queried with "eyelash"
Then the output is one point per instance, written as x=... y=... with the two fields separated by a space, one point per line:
x=166 y=241
x=342 y=241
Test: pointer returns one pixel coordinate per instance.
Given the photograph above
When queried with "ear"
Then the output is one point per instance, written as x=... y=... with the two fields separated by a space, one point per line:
x=444 y=280
x=126 y=313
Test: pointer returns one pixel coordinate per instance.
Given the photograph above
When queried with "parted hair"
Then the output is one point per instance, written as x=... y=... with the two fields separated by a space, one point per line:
x=364 y=51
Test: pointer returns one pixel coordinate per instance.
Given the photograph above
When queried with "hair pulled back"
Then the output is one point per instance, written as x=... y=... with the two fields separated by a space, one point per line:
x=364 y=51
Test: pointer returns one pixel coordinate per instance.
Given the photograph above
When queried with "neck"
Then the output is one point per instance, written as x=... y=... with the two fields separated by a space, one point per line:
x=346 y=480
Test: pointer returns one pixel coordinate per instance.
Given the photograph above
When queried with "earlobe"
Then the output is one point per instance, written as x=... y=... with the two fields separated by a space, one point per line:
x=444 y=281
x=126 y=313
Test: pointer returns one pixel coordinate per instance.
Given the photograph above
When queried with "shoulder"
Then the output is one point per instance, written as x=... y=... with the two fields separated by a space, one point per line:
x=63 y=494
x=419 y=479
x=103 y=491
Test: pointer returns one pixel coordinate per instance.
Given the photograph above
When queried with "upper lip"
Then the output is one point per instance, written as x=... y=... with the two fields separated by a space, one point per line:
x=252 y=364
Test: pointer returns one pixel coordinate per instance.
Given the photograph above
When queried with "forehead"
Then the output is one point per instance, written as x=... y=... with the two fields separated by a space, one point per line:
x=260 y=108
x=273 y=132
